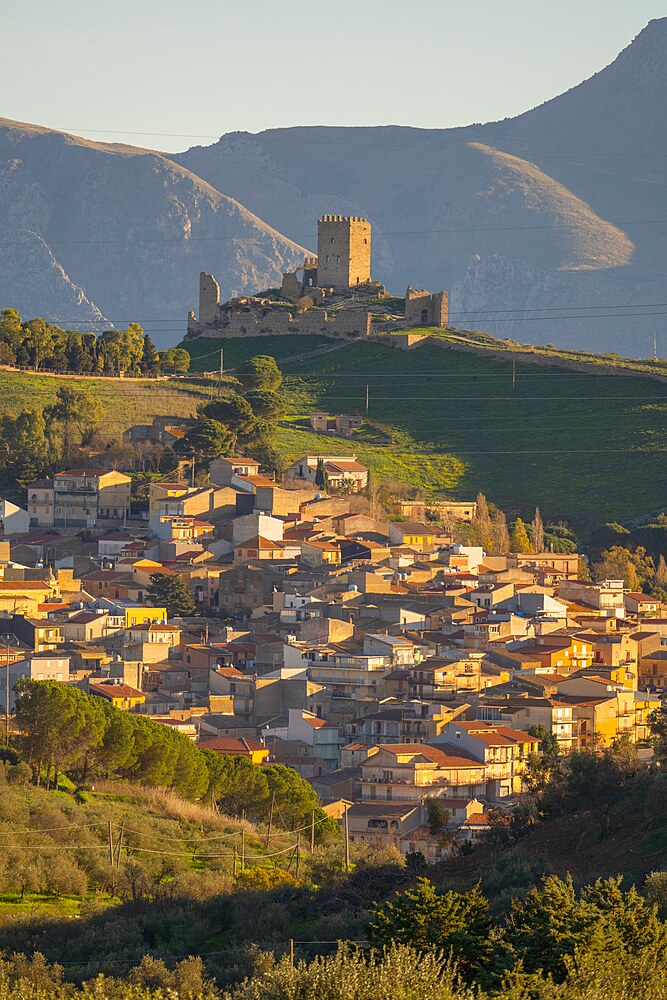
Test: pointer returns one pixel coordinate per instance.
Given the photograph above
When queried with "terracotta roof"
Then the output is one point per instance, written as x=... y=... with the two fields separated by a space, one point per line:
x=434 y=754
x=260 y=542
x=114 y=690
x=318 y=723
x=413 y=528
x=26 y=585
x=476 y=819
x=84 y=617
x=382 y=809
x=231 y=744
x=345 y=466
x=229 y=672
x=111 y=575
x=494 y=735
x=257 y=480
x=153 y=627
x=85 y=473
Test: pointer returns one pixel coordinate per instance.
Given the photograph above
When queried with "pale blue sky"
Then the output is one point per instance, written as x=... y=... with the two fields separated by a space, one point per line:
x=199 y=68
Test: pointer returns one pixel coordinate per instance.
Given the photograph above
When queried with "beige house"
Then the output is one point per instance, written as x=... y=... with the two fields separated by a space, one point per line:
x=412 y=772
x=524 y=712
x=82 y=498
x=383 y=824
x=502 y=751
x=25 y=596
x=86 y=626
x=447 y=676
x=40 y=503
x=340 y=470
x=653 y=670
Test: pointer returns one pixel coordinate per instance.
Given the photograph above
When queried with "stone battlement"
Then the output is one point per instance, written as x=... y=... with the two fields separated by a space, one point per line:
x=343 y=218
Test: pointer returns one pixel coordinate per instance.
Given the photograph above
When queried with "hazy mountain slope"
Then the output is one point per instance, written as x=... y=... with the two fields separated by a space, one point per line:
x=560 y=208
x=451 y=211
x=128 y=226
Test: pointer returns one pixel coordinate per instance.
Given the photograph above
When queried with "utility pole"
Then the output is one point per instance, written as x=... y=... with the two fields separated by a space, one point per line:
x=347 y=843
x=222 y=369
x=312 y=831
x=268 y=832
x=298 y=853
x=367 y=400
x=243 y=850
x=655 y=346
x=513 y=372
x=193 y=470
x=110 y=846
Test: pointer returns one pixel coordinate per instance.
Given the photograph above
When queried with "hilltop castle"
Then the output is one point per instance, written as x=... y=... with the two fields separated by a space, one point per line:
x=338 y=278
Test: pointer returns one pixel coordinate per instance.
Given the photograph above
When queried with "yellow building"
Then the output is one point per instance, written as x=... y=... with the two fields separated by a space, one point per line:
x=237 y=746
x=412 y=533
x=599 y=706
x=141 y=615
x=25 y=596
x=158 y=492
x=321 y=552
x=120 y=695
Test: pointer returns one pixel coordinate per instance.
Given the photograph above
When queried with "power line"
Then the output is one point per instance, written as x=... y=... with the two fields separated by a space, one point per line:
x=185 y=240
x=459 y=312
x=412 y=375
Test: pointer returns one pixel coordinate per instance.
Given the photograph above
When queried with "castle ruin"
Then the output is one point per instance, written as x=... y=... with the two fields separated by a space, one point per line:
x=322 y=292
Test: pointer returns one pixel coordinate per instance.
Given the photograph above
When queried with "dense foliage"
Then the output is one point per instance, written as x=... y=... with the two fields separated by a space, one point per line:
x=40 y=344
x=67 y=731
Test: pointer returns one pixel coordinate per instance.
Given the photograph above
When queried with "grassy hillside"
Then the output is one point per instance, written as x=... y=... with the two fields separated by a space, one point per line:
x=124 y=402
x=587 y=446
x=55 y=846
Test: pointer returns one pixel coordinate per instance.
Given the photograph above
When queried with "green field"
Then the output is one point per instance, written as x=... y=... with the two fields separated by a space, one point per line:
x=588 y=447
x=124 y=401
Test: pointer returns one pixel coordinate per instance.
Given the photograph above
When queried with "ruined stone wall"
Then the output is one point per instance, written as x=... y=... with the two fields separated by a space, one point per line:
x=209 y=298
x=343 y=251
x=425 y=309
x=292 y=288
x=279 y=322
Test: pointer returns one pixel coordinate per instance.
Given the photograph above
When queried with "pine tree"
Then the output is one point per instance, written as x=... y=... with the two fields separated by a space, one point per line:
x=75 y=356
x=537 y=532
x=172 y=592
x=150 y=363
x=519 y=541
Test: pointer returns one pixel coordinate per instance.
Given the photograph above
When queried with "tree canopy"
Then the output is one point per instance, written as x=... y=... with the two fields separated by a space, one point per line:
x=170 y=590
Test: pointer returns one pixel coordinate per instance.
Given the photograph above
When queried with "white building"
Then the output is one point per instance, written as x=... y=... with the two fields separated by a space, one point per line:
x=13 y=520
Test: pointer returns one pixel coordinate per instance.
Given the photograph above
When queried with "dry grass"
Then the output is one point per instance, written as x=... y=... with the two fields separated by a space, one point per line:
x=124 y=402
x=166 y=804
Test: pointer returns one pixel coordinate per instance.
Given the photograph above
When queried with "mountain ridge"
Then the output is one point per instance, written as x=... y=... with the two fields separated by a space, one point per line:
x=502 y=214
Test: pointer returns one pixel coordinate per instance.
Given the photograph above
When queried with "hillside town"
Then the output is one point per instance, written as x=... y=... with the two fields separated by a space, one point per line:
x=384 y=661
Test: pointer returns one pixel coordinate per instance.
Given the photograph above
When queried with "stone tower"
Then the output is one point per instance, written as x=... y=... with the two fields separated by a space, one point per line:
x=343 y=251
